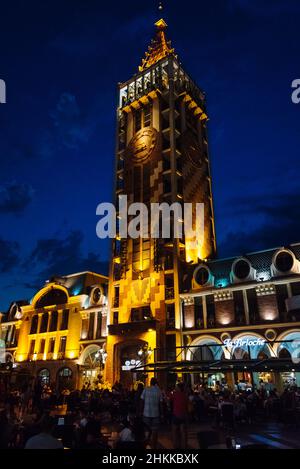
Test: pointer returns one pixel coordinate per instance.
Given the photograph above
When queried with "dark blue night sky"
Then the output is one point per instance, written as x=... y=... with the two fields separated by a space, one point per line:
x=61 y=61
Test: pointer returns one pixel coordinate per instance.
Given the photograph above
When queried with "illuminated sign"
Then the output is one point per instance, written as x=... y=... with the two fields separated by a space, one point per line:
x=130 y=364
x=241 y=343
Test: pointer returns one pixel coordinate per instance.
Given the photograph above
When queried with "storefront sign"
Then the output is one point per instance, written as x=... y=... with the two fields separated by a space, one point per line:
x=130 y=364
x=241 y=343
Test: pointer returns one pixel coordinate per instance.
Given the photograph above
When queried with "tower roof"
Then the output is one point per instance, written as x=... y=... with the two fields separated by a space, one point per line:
x=159 y=47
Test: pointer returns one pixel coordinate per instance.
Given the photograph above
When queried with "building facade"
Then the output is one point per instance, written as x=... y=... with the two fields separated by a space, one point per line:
x=60 y=336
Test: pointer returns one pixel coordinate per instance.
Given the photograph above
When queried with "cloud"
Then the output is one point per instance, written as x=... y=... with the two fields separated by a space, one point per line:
x=15 y=197
x=9 y=255
x=270 y=222
x=54 y=256
x=71 y=126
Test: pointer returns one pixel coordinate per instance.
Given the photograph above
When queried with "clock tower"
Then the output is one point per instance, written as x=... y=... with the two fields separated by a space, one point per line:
x=161 y=156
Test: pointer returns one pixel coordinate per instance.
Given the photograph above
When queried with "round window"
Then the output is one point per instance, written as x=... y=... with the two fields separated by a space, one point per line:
x=284 y=261
x=202 y=276
x=242 y=269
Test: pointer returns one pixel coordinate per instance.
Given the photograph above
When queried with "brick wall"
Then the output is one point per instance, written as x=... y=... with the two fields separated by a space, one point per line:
x=267 y=307
x=224 y=312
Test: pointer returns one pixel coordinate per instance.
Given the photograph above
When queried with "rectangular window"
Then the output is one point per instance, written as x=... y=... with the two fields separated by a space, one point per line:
x=116 y=296
x=51 y=345
x=138 y=120
x=64 y=320
x=210 y=306
x=62 y=344
x=295 y=287
x=282 y=295
x=31 y=347
x=116 y=317
x=91 y=326
x=252 y=306
x=171 y=347
x=99 y=325
x=239 y=308
x=147 y=115
x=42 y=346
x=170 y=312
x=199 y=313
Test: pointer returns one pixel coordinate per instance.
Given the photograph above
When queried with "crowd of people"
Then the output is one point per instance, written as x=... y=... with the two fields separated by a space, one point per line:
x=39 y=417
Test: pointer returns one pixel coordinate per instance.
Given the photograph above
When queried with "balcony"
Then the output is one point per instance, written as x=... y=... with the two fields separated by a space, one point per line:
x=135 y=326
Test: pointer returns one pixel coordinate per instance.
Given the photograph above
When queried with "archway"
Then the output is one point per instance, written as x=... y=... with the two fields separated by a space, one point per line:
x=127 y=357
x=207 y=349
x=91 y=365
x=44 y=376
x=64 y=379
x=288 y=347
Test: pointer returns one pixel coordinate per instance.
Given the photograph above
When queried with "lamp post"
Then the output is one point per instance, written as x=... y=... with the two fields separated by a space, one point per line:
x=144 y=354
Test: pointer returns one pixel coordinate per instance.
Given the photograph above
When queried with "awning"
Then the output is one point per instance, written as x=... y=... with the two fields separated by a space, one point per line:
x=192 y=366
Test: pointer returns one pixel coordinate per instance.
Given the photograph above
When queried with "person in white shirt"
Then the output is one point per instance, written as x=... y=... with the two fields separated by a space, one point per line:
x=152 y=408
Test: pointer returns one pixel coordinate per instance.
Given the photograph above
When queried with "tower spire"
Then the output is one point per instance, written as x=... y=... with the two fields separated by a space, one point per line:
x=160 y=47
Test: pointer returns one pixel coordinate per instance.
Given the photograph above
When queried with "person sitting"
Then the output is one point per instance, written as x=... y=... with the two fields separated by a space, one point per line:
x=44 y=439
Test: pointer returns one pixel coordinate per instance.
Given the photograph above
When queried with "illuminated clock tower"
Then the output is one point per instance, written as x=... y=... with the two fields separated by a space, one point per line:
x=161 y=156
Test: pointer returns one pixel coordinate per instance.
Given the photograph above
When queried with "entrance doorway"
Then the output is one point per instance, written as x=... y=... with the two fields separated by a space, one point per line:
x=129 y=359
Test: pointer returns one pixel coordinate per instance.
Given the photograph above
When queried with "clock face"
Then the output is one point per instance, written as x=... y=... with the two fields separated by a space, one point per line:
x=192 y=149
x=142 y=145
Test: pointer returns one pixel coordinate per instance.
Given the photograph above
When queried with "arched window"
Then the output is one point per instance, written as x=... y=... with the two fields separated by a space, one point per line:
x=55 y=296
x=34 y=324
x=65 y=372
x=284 y=353
x=64 y=380
x=44 y=376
